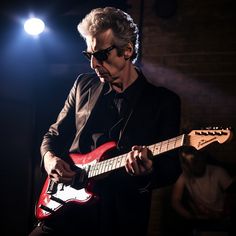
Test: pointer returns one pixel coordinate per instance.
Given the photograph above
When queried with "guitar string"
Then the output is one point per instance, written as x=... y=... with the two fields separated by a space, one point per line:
x=108 y=165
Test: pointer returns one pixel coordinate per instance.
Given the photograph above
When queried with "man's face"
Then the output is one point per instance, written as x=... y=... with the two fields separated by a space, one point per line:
x=193 y=165
x=188 y=159
x=112 y=69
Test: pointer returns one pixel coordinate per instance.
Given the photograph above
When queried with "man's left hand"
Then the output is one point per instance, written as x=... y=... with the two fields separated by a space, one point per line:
x=139 y=161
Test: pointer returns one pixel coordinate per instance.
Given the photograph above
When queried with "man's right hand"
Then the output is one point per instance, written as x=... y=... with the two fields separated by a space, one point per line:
x=57 y=169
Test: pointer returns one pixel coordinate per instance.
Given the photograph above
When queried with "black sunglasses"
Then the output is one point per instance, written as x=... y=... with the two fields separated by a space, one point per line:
x=100 y=55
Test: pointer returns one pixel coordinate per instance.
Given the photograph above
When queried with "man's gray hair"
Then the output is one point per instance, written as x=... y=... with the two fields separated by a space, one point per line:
x=124 y=29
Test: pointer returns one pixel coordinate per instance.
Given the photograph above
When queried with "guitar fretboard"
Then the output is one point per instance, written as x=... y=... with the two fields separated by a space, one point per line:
x=120 y=161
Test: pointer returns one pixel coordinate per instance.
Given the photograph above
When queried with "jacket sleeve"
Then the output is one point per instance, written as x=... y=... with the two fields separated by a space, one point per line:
x=60 y=133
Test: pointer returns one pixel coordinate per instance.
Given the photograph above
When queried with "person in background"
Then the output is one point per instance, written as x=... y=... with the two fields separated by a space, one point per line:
x=116 y=103
x=202 y=192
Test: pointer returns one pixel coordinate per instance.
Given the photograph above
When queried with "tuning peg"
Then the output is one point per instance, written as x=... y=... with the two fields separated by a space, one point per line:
x=218 y=133
x=211 y=133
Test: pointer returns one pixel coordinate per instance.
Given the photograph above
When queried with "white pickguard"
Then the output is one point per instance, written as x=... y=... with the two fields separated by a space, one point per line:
x=67 y=193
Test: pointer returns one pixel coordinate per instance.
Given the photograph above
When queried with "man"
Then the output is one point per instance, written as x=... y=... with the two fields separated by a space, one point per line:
x=116 y=103
x=201 y=194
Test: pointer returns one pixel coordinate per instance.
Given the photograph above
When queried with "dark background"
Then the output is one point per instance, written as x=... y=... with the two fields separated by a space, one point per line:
x=188 y=46
x=35 y=77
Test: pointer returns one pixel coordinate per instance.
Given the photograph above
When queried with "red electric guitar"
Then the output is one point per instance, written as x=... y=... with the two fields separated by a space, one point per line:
x=54 y=196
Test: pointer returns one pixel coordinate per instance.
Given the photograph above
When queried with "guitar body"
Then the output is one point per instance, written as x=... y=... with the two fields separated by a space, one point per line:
x=54 y=196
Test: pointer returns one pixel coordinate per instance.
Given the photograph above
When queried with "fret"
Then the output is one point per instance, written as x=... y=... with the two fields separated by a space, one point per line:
x=87 y=169
x=101 y=167
x=166 y=146
x=99 y=171
x=115 y=161
x=110 y=162
x=123 y=159
x=162 y=147
x=175 y=140
x=95 y=169
x=178 y=142
x=156 y=149
x=171 y=144
x=151 y=148
x=119 y=161
x=91 y=171
x=106 y=166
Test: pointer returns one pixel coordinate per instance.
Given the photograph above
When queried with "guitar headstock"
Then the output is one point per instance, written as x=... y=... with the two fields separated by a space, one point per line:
x=201 y=138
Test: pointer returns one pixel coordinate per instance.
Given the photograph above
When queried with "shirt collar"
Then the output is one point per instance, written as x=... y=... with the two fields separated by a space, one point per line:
x=133 y=89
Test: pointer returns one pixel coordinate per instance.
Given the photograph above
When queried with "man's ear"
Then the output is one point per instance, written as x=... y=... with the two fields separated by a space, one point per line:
x=128 y=52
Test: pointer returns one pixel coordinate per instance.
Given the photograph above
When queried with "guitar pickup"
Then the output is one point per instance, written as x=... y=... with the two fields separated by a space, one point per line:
x=56 y=199
x=80 y=179
x=45 y=208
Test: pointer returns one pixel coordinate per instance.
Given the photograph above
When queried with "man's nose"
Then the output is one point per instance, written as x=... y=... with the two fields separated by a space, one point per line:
x=94 y=63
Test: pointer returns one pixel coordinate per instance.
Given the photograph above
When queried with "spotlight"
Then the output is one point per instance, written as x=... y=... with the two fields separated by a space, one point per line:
x=34 y=26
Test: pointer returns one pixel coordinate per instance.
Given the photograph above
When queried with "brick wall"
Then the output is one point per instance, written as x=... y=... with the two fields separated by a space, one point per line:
x=193 y=52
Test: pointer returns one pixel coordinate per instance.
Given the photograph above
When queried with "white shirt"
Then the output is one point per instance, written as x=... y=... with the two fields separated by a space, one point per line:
x=208 y=191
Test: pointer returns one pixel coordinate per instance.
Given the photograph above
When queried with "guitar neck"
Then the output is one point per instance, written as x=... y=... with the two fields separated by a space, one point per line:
x=120 y=161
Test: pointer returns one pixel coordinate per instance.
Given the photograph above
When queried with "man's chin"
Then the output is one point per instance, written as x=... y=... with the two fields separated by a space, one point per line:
x=106 y=79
